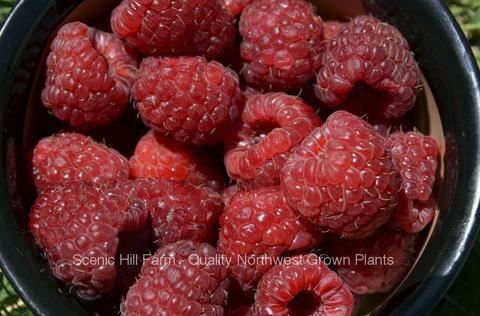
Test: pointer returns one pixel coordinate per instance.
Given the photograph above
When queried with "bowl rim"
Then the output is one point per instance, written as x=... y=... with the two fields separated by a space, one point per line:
x=27 y=13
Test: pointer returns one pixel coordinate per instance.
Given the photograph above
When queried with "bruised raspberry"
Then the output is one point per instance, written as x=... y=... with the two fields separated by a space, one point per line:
x=274 y=125
x=415 y=156
x=72 y=157
x=256 y=228
x=179 y=280
x=174 y=27
x=282 y=58
x=302 y=285
x=81 y=221
x=369 y=54
x=89 y=76
x=376 y=264
x=342 y=178
x=180 y=210
x=412 y=216
x=191 y=99
x=158 y=156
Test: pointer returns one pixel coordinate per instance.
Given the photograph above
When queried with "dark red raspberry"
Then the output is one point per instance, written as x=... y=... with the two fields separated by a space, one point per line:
x=189 y=98
x=331 y=29
x=376 y=264
x=412 y=216
x=89 y=76
x=302 y=285
x=342 y=178
x=174 y=27
x=77 y=226
x=369 y=54
x=179 y=210
x=235 y=7
x=71 y=157
x=415 y=156
x=274 y=125
x=280 y=58
x=158 y=156
x=256 y=228
x=179 y=280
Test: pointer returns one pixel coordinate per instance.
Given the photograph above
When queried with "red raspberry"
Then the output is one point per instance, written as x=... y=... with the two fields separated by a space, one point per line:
x=179 y=280
x=89 y=75
x=376 y=264
x=256 y=228
x=174 y=27
x=274 y=124
x=412 y=216
x=235 y=7
x=283 y=59
x=415 y=156
x=342 y=178
x=302 y=285
x=160 y=157
x=193 y=100
x=369 y=54
x=77 y=225
x=180 y=211
x=71 y=157
x=331 y=29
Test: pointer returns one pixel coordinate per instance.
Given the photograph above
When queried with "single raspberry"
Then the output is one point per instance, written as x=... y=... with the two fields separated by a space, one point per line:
x=376 y=264
x=235 y=7
x=78 y=226
x=302 y=285
x=89 y=76
x=71 y=157
x=179 y=280
x=415 y=156
x=193 y=100
x=179 y=210
x=280 y=58
x=412 y=216
x=274 y=125
x=342 y=178
x=331 y=29
x=160 y=157
x=174 y=27
x=369 y=54
x=256 y=228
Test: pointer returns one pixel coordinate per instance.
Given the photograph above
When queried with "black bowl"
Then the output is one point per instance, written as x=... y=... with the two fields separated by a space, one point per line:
x=444 y=57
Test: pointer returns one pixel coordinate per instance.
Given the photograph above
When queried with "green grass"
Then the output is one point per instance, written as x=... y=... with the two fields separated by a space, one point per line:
x=463 y=299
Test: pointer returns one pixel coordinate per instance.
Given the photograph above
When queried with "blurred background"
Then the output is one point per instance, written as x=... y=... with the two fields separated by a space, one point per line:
x=462 y=299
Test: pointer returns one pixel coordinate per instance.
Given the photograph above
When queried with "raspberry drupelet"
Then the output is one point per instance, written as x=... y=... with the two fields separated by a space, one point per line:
x=158 y=156
x=342 y=177
x=281 y=46
x=274 y=124
x=302 y=285
x=235 y=7
x=260 y=226
x=81 y=220
x=180 y=210
x=369 y=55
x=73 y=157
x=331 y=29
x=188 y=98
x=175 y=27
x=89 y=76
x=179 y=280
x=364 y=276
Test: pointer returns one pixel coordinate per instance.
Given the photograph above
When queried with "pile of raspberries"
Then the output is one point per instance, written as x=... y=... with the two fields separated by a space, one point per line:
x=310 y=119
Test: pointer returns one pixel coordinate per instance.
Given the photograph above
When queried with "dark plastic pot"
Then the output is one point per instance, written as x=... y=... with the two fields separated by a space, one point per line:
x=445 y=59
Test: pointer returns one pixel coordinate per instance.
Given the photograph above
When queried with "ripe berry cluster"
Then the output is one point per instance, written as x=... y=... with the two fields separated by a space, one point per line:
x=298 y=134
